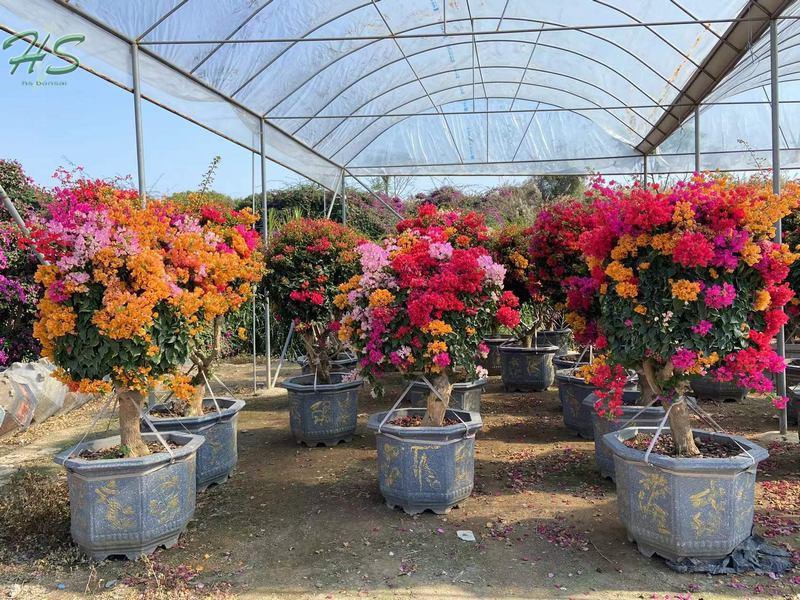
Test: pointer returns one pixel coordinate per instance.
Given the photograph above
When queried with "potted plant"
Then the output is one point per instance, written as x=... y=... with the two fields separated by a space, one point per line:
x=115 y=314
x=216 y=252
x=691 y=283
x=424 y=301
x=526 y=360
x=307 y=261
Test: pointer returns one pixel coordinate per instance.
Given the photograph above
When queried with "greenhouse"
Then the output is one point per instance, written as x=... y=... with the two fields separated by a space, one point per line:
x=582 y=381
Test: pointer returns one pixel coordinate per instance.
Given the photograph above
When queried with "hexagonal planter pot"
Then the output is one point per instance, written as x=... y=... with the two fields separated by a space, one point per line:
x=649 y=416
x=325 y=413
x=131 y=506
x=464 y=396
x=343 y=362
x=794 y=405
x=572 y=391
x=425 y=468
x=492 y=361
x=706 y=388
x=685 y=507
x=217 y=457
x=792 y=372
x=527 y=369
x=554 y=337
x=570 y=360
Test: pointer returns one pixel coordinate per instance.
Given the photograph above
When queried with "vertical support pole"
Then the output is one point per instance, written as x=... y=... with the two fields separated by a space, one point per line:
x=255 y=295
x=776 y=188
x=644 y=169
x=697 y=139
x=344 y=201
x=265 y=224
x=137 y=119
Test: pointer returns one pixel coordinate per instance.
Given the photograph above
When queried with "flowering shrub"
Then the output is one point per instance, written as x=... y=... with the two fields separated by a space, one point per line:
x=307 y=261
x=124 y=292
x=424 y=300
x=558 y=271
x=690 y=283
x=228 y=263
x=19 y=294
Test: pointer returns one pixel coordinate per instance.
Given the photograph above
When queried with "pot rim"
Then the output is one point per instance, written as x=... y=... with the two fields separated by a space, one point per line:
x=291 y=383
x=188 y=444
x=462 y=385
x=472 y=420
x=234 y=405
x=303 y=359
x=549 y=349
x=740 y=462
x=560 y=331
x=499 y=338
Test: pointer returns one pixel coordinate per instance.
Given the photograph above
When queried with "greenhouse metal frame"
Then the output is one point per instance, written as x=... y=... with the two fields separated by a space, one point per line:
x=358 y=88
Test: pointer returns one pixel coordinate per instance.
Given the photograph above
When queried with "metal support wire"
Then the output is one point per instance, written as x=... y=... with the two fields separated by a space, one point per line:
x=12 y=210
x=137 y=119
x=344 y=200
x=776 y=188
x=373 y=194
x=265 y=224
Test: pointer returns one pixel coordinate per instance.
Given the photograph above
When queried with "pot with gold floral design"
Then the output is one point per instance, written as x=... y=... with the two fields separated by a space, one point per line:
x=681 y=507
x=323 y=413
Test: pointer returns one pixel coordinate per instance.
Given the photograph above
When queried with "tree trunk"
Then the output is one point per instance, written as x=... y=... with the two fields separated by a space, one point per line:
x=130 y=409
x=681 y=427
x=193 y=407
x=648 y=394
x=317 y=352
x=529 y=337
x=436 y=409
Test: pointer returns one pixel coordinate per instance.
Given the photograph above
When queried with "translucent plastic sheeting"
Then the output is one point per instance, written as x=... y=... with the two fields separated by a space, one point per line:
x=375 y=86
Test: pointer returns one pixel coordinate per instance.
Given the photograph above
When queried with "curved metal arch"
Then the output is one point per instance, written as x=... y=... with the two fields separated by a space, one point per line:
x=366 y=75
x=456 y=43
x=374 y=138
x=305 y=35
x=396 y=107
x=364 y=129
x=420 y=52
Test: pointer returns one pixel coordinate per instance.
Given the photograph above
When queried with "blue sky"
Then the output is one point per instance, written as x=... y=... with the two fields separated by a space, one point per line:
x=89 y=122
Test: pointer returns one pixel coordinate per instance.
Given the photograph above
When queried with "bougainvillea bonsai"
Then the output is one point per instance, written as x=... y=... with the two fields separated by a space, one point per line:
x=558 y=272
x=117 y=310
x=424 y=300
x=220 y=252
x=307 y=261
x=690 y=282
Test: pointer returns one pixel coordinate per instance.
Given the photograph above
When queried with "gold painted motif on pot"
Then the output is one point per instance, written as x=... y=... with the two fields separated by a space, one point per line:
x=118 y=515
x=345 y=406
x=711 y=502
x=420 y=465
x=653 y=489
x=321 y=412
x=462 y=462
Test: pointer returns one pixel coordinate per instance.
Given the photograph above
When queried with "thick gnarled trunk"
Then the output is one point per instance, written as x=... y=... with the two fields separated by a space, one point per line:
x=193 y=407
x=319 y=359
x=680 y=422
x=131 y=404
x=436 y=408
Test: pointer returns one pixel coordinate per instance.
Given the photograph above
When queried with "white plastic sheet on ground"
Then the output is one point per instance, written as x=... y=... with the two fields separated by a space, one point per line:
x=503 y=93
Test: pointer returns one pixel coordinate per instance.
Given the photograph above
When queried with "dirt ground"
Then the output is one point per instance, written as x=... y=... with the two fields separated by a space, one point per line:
x=309 y=523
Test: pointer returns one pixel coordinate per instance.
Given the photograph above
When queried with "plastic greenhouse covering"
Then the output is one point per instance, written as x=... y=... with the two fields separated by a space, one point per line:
x=453 y=87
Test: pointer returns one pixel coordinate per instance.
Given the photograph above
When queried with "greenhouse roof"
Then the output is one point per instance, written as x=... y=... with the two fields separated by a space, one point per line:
x=453 y=87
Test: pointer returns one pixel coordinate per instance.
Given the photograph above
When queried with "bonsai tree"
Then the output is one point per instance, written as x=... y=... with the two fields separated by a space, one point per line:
x=219 y=261
x=558 y=274
x=509 y=246
x=424 y=301
x=690 y=283
x=116 y=311
x=307 y=261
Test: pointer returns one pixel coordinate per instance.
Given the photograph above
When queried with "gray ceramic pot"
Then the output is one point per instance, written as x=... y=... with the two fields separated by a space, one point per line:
x=343 y=362
x=645 y=417
x=555 y=337
x=217 y=457
x=792 y=372
x=706 y=388
x=322 y=413
x=425 y=468
x=465 y=396
x=527 y=369
x=685 y=507
x=794 y=405
x=131 y=506
x=492 y=361
x=573 y=391
x=568 y=361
